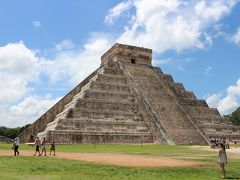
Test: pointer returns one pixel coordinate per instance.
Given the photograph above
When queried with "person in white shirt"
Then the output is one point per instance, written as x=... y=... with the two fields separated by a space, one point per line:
x=44 y=146
x=16 y=146
x=222 y=160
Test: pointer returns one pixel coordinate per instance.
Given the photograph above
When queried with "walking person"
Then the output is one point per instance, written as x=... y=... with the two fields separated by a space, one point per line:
x=37 y=144
x=222 y=160
x=52 y=148
x=16 y=146
x=44 y=146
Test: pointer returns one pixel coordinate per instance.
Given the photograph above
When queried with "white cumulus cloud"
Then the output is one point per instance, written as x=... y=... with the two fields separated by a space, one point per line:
x=214 y=10
x=226 y=102
x=207 y=70
x=236 y=37
x=66 y=44
x=36 y=24
x=165 y=25
x=18 y=67
x=75 y=65
x=26 y=111
x=21 y=70
x=116 y=11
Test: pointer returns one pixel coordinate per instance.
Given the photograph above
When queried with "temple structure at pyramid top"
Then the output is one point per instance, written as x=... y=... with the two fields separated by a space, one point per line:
x=127 y=53
x=127 y=100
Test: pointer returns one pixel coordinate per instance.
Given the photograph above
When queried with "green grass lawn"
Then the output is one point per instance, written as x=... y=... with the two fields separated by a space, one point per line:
x=52 y=168
x=145 y=149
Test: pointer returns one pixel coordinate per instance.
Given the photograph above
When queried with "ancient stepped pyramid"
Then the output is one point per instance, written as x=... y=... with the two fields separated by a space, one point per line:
x=127 y=100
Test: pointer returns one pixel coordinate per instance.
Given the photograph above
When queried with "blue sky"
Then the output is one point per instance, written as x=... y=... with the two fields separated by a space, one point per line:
x=48 y=47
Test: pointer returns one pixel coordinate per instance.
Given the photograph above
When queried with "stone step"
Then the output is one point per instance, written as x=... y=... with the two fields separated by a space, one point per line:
x=151 y=85
x=191 y=102
x=215 y=123
x=146 y=77
x=137 y=120
x=217 y=134
x=186 y=94
x=179 y=90
x=177 y=87
x=111 y=78
x=139 y=70
x=168 y=78
x=133 y=120
x=111 y=96
x=113 y=87
x=208 y=116
x=112 y=70
x=220 y=126
x=76 y=113
x=72 y=136
x=103 y=128
x=106 y=105
x=195 y=110
x=120 y=103
x=213 y=120
x=186 y=136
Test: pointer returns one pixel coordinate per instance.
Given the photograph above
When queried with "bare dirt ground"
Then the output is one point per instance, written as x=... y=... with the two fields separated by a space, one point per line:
x=233 y=152
x=116 y=159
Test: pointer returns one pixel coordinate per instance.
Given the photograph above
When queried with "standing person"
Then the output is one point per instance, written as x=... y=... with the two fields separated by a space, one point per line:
x=222 y=160
x=37 y=144
x=44 y=144
x=52 y=148
x=16 y=146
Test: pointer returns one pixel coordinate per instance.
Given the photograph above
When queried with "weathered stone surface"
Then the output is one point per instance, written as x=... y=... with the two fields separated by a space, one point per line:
x=127 y=100
x=126 y=53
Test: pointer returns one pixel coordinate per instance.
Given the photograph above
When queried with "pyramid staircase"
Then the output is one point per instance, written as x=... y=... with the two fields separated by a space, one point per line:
x=209 y=121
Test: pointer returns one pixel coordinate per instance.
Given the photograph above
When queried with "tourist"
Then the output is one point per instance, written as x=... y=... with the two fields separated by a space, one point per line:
x=227 y=144
x=16 y=146
x=235 y=142
x=222 y=160
x=213 y=142
x=52 y=148
x=44 y=146
x=37 y=144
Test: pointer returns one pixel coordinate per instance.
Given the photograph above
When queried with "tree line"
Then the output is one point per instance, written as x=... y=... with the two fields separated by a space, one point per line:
x=12 y=132
x=234 y=117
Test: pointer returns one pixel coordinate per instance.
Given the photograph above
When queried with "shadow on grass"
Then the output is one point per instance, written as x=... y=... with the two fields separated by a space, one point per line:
x=232 y=177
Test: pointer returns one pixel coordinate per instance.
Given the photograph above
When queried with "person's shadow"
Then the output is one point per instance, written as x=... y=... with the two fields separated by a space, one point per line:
x=232 y=177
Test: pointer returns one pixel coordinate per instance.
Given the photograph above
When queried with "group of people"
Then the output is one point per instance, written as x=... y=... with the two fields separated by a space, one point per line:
x=38 y=144
x=216 y=143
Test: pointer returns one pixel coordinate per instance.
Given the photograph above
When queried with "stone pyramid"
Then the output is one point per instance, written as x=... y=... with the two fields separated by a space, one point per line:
x=127 y=100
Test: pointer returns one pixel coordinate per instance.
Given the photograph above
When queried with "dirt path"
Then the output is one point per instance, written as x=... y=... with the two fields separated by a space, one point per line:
x=117 y=159
x=233 y=152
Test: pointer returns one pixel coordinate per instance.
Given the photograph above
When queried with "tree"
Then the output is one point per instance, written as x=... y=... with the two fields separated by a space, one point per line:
x=12 y=132
x=235 y=117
